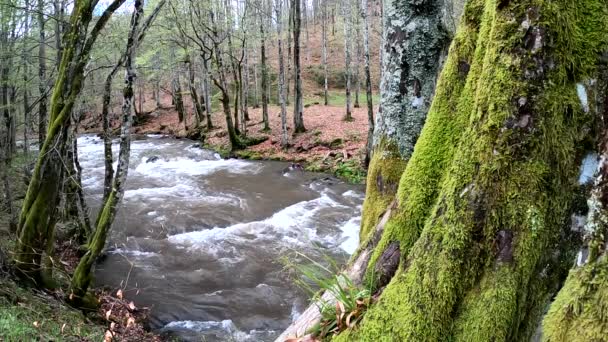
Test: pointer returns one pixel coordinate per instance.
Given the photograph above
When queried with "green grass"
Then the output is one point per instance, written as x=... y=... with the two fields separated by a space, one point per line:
x=29 y=316
x=338 y=98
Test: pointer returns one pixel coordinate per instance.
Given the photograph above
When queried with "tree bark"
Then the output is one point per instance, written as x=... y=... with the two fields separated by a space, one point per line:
x=82 y=275
x=576 y=313
x=42 y=81
x=298 y=108
x=264 y=70
x=368 y=85
x=346 y=13
x=324 y=33
x=36 y=224
x=484 y=205
x=199 y=111
x=282 y=95
x=409 y=70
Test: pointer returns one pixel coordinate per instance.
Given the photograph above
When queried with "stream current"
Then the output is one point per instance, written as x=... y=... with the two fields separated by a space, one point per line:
x=200 y=239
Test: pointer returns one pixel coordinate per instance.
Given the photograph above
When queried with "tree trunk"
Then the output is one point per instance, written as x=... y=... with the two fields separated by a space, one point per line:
x=484 y=205
x=42 y=81
x=26 y=75
x=199 y=111
x=324 y=33
x=245 y=100
x=264 y=70
x=409 y=71
x=368 y=85
x=83 y=274
x=289 y=60
x=59 y=8
x=358 y=56
x=256 y=99
x=178 y=99
x=36 y=224
x=207 y=91
x=298 y=108
x=346 y=13
x=576 y=313
x=282 y=95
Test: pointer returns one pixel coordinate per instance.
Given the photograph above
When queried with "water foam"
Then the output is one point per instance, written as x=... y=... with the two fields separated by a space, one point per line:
x=293 y=224
x=190 y=167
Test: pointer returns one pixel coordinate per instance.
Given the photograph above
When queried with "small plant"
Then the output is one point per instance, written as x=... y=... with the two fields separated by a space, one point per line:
x=351 y=171
x=341 y=302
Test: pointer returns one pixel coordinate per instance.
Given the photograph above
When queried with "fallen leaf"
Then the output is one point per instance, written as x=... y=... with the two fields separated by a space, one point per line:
x=130 y=322
x=112 y=326
x=108 y=313
x=132 y=306
x=119 y=294
x=107 y=337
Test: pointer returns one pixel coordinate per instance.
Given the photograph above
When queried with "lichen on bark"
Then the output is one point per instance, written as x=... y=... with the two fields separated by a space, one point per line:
x=486 y=194
x=415 y=37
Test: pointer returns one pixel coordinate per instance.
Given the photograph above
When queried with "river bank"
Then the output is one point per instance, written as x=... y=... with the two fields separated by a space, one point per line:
x=329 y=145
x=30 y=314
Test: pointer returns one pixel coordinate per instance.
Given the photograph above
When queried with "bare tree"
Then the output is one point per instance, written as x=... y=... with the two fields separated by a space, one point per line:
x=263 y=67
x=324 y=33
x=42 y=81
x=82 y=277
x=298 y=108
x=37 y=221
x=282 y=95
x=346 y=12
x=368 y=84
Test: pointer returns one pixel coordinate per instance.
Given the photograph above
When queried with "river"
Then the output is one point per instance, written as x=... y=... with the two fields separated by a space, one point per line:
x=200 y=240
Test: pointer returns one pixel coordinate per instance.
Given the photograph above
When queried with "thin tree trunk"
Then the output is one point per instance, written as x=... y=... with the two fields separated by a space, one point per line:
x=358 y=55
x=264 y=69
x=42 y=81
x=207 y=91
x=346 y=13
x=245 y=99
x=26 y=75
x=199 y=112
x=36 y=224
x=178 y=98
x=289 y=60
x=83 y=274
x=368 y=85
x=324 y=33
x=282 y=95
x=298 y=108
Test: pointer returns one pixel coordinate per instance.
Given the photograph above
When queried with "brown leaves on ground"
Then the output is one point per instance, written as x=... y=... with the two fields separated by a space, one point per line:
x=124 y=319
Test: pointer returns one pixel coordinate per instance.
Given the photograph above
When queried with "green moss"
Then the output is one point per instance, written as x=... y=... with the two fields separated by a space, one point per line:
x=418 y=186
x=580 y=311
x=481 y=211
x=21 y=308
x=383 y=176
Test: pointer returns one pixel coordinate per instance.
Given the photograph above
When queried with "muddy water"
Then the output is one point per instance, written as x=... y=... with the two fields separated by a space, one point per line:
x=200 y=239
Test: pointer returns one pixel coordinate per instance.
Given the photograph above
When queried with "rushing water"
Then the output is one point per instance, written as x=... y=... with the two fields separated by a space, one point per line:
x=200 y=239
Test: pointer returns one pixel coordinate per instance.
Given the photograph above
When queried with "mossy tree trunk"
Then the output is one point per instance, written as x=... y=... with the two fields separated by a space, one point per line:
x=484 y=204
x=36 y=224
x=82 y=276
x=578 y=313
x=414 y=38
